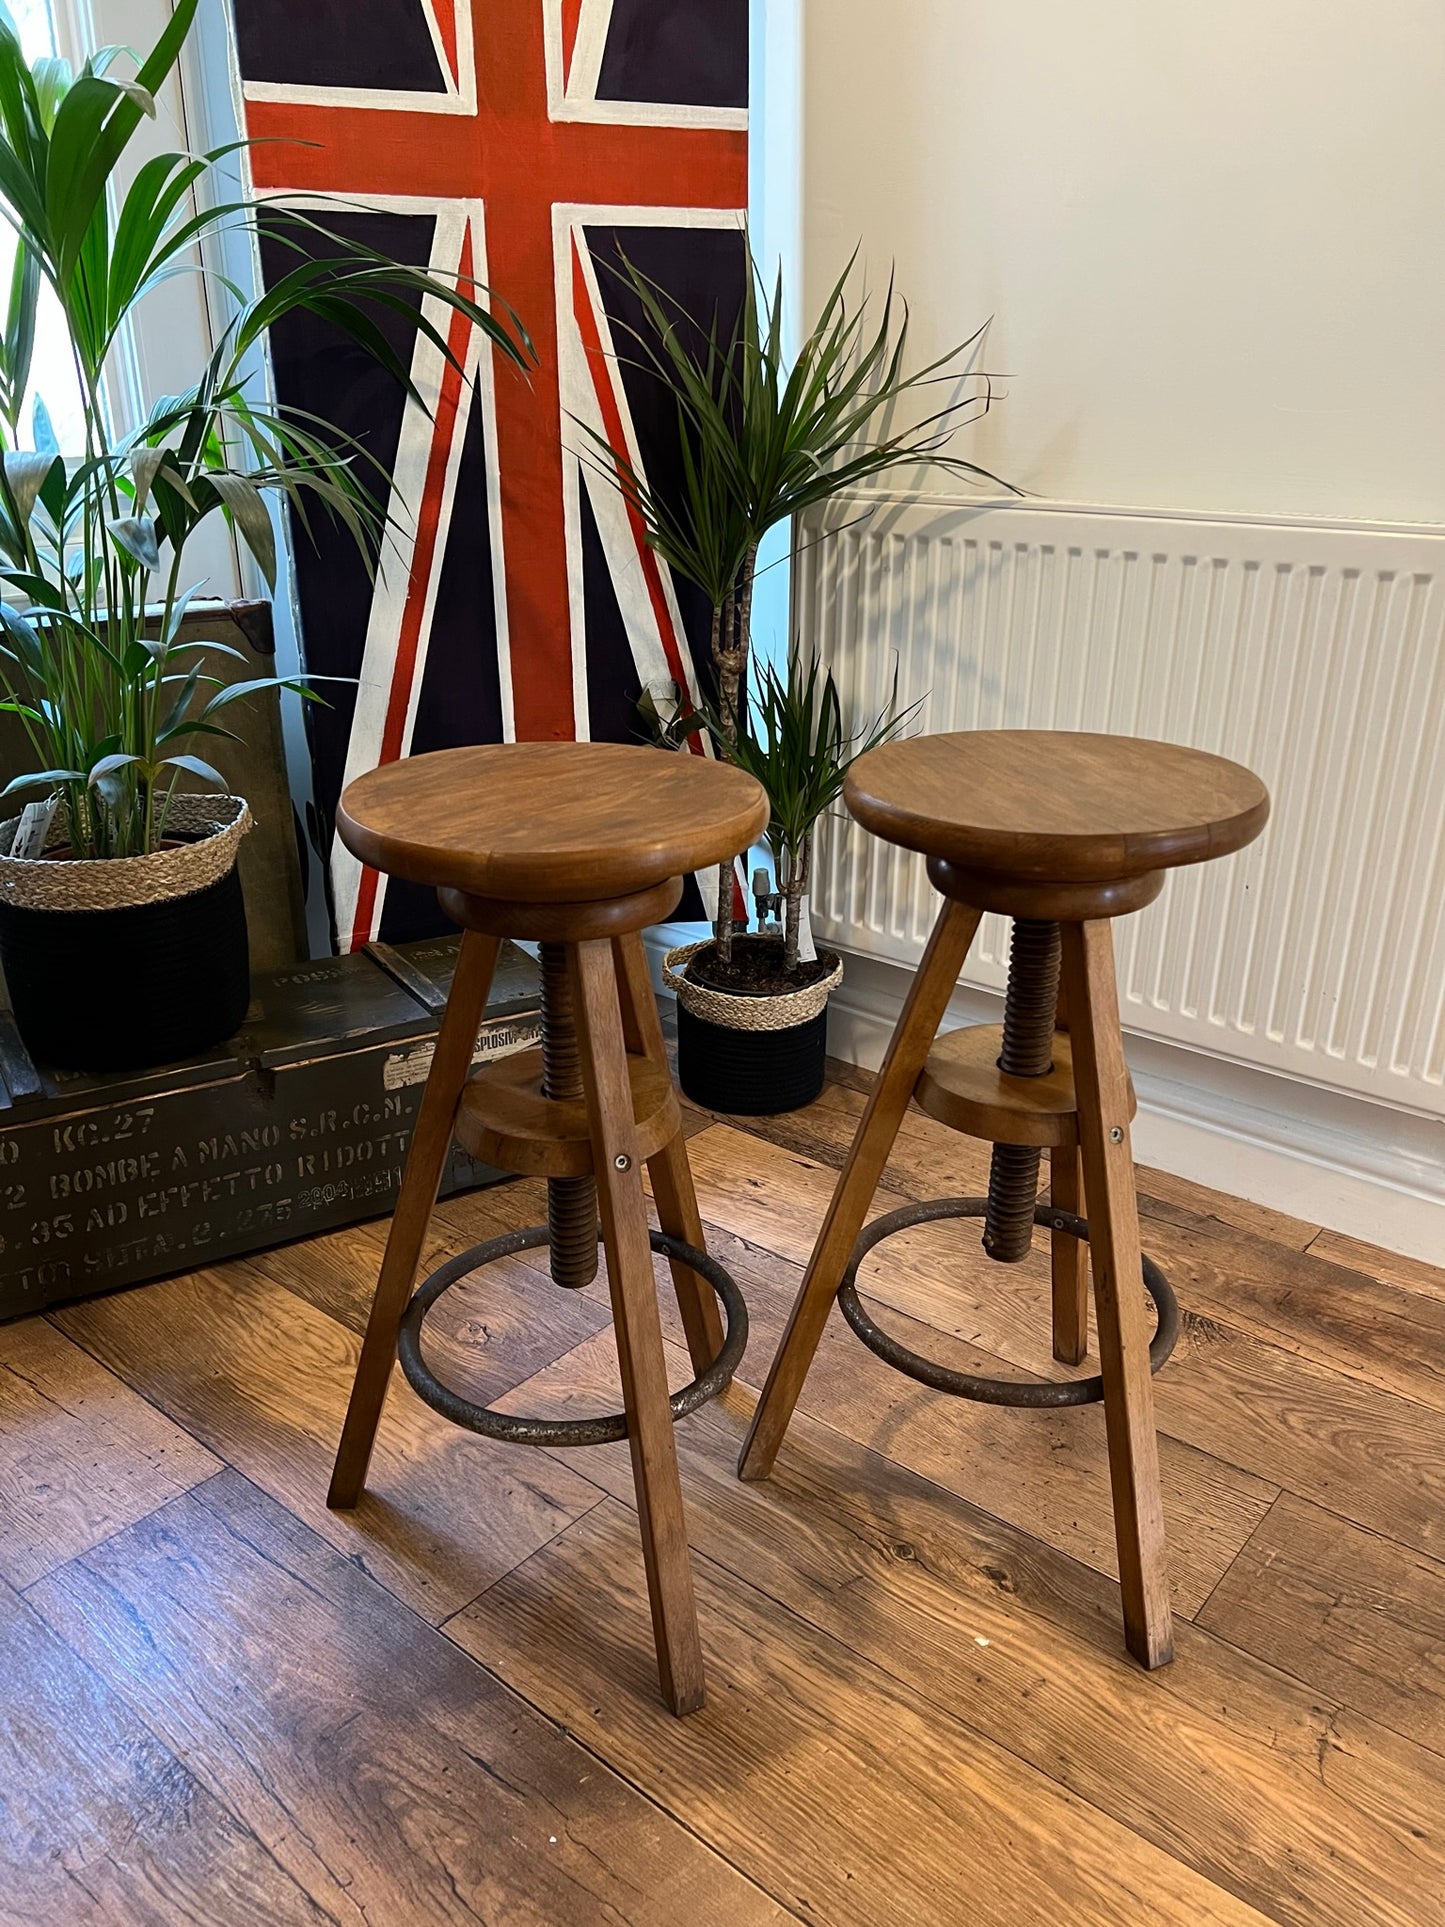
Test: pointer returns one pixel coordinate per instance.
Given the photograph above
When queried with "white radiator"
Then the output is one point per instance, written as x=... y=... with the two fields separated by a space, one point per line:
x=1312 y=653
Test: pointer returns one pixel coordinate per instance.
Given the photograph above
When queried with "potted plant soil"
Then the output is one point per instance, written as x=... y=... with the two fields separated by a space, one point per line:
x=766 y=436
x=752 y=1016
x=122 y=926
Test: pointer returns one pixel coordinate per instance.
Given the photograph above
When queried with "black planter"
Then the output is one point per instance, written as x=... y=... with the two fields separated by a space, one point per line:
x=125 y=989
x=751 y=1073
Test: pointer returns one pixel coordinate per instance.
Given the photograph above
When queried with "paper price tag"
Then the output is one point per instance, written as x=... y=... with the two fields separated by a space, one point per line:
x=807 y=949
x=35 y=821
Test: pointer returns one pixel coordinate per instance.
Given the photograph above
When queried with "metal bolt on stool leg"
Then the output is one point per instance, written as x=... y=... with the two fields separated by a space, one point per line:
x=1028 y=1038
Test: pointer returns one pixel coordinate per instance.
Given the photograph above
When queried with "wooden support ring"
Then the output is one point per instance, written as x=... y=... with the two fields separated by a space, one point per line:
x=1046 y=1393
x=504 y=1119
x=515 y=1429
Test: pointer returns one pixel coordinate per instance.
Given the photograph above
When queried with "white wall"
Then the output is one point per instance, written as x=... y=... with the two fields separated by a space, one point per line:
x=1212 y=235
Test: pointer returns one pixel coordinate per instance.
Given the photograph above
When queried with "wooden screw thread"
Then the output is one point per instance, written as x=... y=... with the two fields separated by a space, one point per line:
x=1028 y=1040
x=571 y=1202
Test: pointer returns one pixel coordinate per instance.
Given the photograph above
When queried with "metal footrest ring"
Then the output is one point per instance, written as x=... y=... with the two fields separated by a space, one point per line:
x=518 y=1430
x=1046 y=1393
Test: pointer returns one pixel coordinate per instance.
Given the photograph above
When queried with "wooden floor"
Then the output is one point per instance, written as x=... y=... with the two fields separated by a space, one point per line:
x=223 y=1704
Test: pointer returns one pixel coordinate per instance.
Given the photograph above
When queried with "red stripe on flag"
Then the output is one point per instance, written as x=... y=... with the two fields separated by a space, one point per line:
x=428 y=530
x=446 y=19
x=602 y=378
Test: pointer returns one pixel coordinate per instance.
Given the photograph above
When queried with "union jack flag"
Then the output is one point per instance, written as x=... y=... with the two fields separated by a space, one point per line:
x=528 y=144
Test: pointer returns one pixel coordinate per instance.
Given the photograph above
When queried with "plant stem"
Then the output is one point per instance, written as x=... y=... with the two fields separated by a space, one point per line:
x=800 y=861
x=723 y=928
x=730 y=647
x=731 y=639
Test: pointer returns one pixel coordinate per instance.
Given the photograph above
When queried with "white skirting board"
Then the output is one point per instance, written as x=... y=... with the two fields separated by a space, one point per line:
x=1371 y=1171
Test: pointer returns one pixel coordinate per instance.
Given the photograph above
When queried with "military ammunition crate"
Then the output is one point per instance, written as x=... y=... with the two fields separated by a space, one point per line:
x=297 y=1124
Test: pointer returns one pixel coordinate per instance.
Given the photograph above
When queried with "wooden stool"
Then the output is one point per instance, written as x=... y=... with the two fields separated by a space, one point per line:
x=1061 y=832
x=580 y=846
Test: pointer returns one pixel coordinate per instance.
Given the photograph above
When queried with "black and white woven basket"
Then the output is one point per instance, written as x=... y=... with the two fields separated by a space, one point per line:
x=128 y=962
x=749 y=1056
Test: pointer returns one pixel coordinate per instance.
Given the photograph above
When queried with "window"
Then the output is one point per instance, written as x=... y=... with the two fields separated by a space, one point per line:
x=171 y=340
x=52 y=414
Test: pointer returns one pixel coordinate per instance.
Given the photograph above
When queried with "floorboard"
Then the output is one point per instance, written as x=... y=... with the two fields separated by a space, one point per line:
x=507 y=1325
x=843 y=1792
x=1351 y=1613
x=392 y=1778
x=1256 y=1410
x=262 y=1378
x=226 y=1703
x=80 y=1454
x=1217 y=1760
x=1390 y=1267
x=101 y=1824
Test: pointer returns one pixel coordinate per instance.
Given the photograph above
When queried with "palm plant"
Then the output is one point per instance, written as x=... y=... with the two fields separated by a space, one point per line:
x=764 y=438
x=114 y=704
x=793 y=739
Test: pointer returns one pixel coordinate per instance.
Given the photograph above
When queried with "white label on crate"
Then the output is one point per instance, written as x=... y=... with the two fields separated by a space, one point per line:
x=500 y=1037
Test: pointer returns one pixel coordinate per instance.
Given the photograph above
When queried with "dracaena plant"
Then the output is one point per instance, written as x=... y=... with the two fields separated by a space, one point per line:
x=116 y=706
x=793 y=736
x=765 y=436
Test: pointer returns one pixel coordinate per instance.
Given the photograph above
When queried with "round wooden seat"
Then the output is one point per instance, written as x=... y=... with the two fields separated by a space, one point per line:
x=1055 y=805
x=550 y=822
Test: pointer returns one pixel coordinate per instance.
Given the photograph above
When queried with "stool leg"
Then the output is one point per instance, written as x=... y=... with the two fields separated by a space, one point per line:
x=1102 y=1084
x=1069 y=1260
x=638 y=1328
x=877 y=1128
x=671 y=1174
x=430 y=1142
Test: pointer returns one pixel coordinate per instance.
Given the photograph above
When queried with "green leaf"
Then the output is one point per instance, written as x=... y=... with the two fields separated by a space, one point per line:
x=251 y=516
x=193 y=726
x=52 y=77
x=51 y=776
x=194 y=767
x=234 y=691
x=145 y=464
x=183 y=648
x=107 y=764
x=177 y=710
x=136 y=534
x=142 y=96
x=23 y=635
x=19 y=342
x=105 y=779
x=25 y=474
x=42 y=433
x=93 y=126
x=46 y=594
